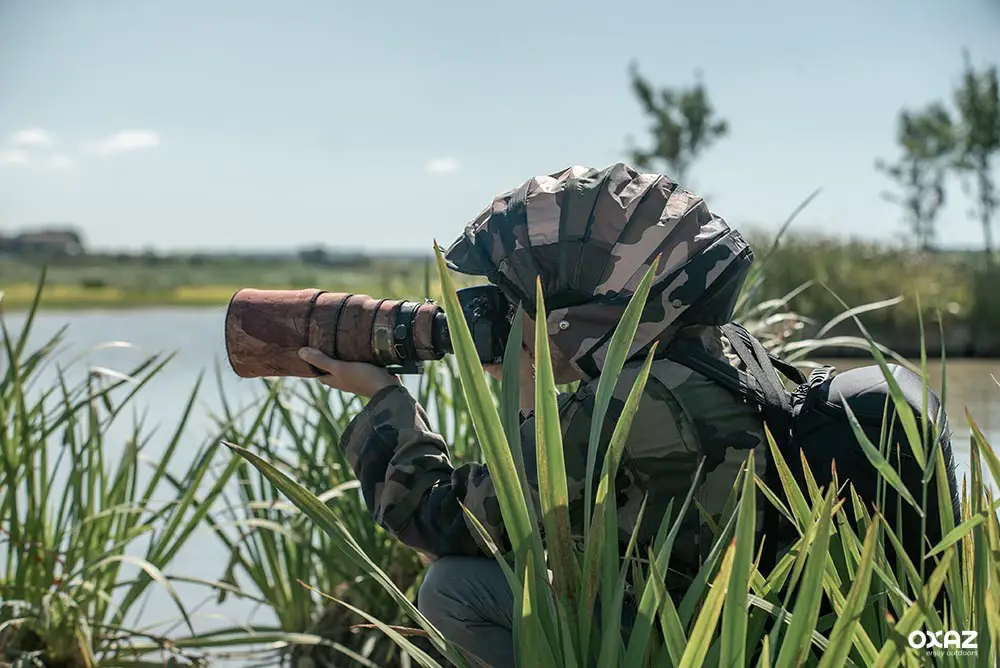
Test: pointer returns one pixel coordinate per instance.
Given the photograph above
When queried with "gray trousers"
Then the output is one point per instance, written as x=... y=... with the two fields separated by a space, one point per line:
x=469 y=600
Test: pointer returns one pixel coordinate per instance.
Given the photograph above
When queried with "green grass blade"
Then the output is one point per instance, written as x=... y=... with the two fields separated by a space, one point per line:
x=552 y=482
x=524 y=536
x=421 y=657
x=734 y=618
x=765 y=654
x=320 y=513
x=663 y=545
x=983 y=445
x=903 y=409
x=154 y=573
x=670 y=622
x=618 y=352
x=601 y=551
x=795 y=649
x=847 y=624
x=797 y=503
x=708 y=618
x=886 y=471
x=958 y=533
x=532 y=641
x=892 y=652
x=510 y=400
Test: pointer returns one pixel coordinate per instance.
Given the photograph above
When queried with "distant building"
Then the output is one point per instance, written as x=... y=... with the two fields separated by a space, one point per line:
x=50 y=241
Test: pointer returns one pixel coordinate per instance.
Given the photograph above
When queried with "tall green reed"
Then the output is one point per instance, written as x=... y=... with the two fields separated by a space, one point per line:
x=83 y=539
x=91 y=524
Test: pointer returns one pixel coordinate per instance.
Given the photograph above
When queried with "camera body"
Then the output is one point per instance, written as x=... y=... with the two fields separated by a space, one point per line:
x=489 y=315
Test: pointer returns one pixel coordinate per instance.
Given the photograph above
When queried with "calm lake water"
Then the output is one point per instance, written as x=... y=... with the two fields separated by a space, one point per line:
x=196 y=336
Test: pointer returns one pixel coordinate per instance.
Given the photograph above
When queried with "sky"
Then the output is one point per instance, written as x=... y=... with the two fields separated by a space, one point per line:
x=259 y=124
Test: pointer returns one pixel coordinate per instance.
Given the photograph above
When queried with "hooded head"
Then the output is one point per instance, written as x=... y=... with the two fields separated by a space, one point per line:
x=591 y=235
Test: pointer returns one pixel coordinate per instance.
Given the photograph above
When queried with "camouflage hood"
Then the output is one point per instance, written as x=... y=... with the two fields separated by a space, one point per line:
x=591 y=235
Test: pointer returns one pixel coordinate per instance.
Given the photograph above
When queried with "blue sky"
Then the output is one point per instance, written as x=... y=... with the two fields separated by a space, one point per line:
x=182 y=124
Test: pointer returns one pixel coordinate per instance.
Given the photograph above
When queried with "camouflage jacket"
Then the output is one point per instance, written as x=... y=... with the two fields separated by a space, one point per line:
x=415 y=492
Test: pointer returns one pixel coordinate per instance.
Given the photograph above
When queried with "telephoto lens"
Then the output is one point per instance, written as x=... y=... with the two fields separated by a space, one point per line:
x=266 y=328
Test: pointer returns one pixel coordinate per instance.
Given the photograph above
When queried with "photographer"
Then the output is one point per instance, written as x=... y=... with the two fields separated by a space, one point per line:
x=590 y=235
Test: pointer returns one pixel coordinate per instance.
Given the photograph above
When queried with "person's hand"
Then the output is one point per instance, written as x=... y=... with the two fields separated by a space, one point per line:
x=359 y=378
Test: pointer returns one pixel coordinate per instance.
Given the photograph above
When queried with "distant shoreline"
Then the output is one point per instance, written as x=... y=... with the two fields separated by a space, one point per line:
x=49 y=306
x=960 y=343
x=806 y=282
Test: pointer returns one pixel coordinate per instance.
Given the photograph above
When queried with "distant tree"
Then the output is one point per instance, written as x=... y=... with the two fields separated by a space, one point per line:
x=316 y=255
x=977 y=99
x=684 y=125
x=927 y=141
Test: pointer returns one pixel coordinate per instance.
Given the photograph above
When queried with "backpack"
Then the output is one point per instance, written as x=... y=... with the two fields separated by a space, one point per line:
x=812 y=418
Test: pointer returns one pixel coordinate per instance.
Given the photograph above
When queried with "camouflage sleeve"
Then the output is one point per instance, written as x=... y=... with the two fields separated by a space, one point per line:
x=410 y=485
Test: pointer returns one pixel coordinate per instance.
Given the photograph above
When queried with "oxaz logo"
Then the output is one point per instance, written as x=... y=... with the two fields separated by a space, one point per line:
x=943 y=640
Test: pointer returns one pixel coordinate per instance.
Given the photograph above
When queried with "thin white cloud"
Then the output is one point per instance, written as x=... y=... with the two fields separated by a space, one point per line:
x=60 y=162
x=442 y=165
x=33 y=147
x=31 y=137
x=14 y=156
x=127 y=140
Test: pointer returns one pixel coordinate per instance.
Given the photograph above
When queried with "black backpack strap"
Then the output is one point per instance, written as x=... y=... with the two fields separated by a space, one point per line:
x=777 y=414
x=790 y=372
x=736 y=332
x=697 y=358
x=761 y=386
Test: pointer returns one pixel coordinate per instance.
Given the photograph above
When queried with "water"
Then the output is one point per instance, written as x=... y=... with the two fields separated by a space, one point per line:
x=196 y=336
